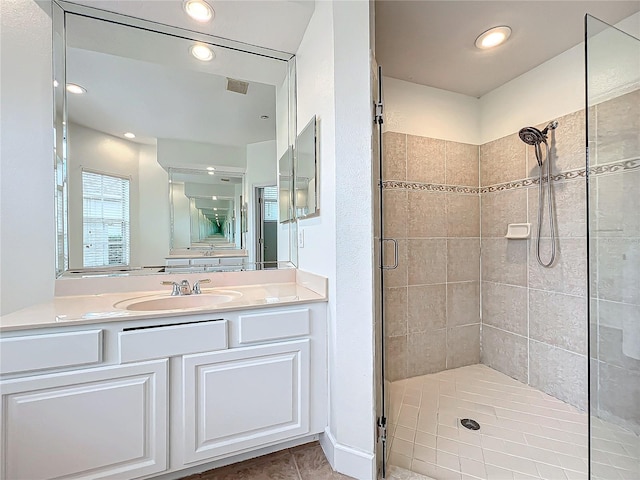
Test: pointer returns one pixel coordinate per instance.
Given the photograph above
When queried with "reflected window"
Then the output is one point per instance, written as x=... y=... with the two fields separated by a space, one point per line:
x=105 y=220
x=62 y=237
x=270 y=204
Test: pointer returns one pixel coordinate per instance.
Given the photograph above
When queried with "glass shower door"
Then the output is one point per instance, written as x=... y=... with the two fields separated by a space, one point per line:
x=387 y=259
x=613 y=166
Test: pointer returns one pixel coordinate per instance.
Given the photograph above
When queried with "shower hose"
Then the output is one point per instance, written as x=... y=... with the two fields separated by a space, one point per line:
x=552 y=227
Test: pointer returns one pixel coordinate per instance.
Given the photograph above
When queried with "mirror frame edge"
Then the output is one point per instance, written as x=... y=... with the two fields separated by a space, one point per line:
x=316 y=213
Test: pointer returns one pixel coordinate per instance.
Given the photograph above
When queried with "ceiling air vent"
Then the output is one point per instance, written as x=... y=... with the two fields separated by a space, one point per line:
x=237 y=86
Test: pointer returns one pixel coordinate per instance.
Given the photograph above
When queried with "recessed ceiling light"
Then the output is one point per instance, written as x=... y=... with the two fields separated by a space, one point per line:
x=129 y=135
x=215 y=209
x=55 y=83
x=493 y=37
x=198 y=10
x=264 y=117
x=77 y=89
x=202 y=52
x=214 y=198
x=211 y=169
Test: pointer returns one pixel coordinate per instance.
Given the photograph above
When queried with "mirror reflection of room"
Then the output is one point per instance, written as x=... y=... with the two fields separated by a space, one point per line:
x=166 y=141
x=205 y=209
x=306 y=197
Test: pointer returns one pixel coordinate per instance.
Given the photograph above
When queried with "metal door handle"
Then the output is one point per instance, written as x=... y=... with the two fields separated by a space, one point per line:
x=395 y=253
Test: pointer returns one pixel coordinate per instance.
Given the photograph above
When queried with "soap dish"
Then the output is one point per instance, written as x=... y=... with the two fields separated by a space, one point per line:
x=518 y=231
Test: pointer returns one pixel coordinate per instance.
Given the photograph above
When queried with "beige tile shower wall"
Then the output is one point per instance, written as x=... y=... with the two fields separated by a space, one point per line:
x=615 y=260
x=533 y=318
x=432 y=300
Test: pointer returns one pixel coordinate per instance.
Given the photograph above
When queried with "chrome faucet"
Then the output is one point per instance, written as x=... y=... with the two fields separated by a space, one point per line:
x=183 y=288
x=196 y=286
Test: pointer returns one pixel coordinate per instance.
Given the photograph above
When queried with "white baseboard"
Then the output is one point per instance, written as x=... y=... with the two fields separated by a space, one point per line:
x=347 y=460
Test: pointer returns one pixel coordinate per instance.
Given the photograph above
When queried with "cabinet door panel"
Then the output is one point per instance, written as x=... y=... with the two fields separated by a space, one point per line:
x=100 y=423
x=243 y=398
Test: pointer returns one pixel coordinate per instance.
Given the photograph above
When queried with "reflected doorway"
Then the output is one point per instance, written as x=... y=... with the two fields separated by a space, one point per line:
x=267 y=226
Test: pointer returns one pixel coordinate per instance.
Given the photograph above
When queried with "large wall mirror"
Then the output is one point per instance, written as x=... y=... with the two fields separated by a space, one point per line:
x=167 y=144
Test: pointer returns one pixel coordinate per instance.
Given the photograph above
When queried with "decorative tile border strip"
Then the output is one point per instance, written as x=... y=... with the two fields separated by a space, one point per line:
x=528 y=182
x=632 y=164
x=429 y=187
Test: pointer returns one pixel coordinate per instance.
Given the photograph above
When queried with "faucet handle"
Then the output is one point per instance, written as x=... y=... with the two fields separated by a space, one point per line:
x=196 y=286
x=176 y=287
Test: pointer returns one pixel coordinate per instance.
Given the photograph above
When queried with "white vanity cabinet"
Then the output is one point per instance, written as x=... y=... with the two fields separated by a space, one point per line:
x=145 y=397
x=246 y=397
x=108 y=422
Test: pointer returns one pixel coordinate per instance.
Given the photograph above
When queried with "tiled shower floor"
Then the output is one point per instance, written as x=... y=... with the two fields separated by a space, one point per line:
x=524 y=434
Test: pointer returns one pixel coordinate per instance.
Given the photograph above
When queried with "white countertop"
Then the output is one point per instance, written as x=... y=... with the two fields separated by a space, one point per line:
x=99 y=308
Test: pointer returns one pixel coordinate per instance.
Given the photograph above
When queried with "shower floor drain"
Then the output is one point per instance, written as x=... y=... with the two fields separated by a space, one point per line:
x=470 y=424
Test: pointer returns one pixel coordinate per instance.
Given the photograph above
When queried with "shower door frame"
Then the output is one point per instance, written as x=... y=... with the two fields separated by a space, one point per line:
x=381 y=399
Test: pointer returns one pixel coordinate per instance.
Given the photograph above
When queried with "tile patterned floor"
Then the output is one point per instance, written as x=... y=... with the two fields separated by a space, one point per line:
x=525 y=434
x=397 y=473
x=306 y=462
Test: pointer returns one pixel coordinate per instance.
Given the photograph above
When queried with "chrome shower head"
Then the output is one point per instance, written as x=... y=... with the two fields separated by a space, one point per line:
x=532 y=136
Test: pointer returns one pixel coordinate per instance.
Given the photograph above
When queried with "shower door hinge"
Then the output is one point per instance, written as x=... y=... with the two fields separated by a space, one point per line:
x=377 y=117
x=382 y=429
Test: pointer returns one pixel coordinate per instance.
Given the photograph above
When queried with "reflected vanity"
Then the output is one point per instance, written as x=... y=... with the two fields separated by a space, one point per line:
x=160 y=156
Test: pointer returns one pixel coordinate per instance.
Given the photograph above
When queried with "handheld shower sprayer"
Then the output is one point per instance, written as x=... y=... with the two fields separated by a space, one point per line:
x=550 y=126
x=534 y=137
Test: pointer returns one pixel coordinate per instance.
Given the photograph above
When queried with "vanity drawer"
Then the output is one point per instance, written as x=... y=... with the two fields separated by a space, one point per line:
x=230 y=261
x=261 y=327
x=164 y=341
x=54 y=350
x=177 y=262
x=206 y=261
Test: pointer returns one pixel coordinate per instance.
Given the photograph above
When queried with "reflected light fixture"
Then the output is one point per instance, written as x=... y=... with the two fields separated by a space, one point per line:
x=199 y=10
x=202 y=52
x=210 y=173
x=77 y=89
x=55 y=83
x=493 y=37
x=129 y=135
x=214 y=198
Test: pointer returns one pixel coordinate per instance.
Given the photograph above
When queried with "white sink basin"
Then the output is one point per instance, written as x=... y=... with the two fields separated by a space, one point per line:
x=182 y=302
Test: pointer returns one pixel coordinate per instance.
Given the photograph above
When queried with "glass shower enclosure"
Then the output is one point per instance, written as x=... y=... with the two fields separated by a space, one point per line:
x=613 y=173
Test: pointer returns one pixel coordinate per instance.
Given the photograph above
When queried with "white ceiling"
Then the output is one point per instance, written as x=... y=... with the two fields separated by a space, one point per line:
x=432 y=42
x=148 y=83
x=274 y=24
x=154 y=101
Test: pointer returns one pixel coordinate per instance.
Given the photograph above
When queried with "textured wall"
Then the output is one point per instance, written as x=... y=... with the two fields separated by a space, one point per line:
x=28 y=235
x=432 y=300
x=534 y=318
